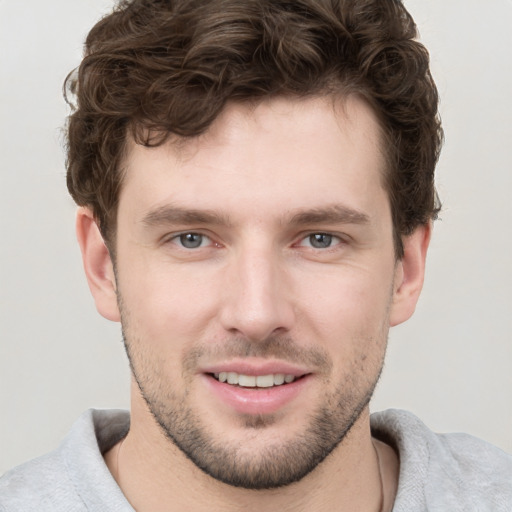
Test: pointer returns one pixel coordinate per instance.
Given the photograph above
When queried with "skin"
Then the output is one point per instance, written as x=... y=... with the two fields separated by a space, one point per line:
x=256 y=290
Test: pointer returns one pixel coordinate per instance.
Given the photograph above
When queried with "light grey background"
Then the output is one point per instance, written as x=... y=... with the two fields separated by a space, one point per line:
x=451 y=364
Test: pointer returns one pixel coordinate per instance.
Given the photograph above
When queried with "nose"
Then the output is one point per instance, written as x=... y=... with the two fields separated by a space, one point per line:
x=257 y=301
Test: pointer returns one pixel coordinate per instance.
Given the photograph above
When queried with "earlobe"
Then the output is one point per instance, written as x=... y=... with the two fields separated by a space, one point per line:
x=409 y=274
x=98 y=265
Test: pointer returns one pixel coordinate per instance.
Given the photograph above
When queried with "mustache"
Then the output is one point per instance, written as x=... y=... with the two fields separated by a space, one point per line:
x=273 y=347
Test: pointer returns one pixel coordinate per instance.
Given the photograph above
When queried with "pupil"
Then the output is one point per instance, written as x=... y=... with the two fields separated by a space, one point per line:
x=191 y=240
x=320 y=240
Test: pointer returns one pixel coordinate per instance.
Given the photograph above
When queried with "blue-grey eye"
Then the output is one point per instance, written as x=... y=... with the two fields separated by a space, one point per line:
x=320 y=240
x=191 y=240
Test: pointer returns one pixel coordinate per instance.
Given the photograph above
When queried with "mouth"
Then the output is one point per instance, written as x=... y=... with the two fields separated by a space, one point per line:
x=253 y=390
x=255 y=381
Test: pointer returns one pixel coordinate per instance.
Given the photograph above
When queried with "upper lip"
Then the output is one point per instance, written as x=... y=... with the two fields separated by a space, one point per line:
x=256 y=367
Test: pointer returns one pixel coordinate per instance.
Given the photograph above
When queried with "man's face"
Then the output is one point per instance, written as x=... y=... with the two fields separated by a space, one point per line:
x=261 y=253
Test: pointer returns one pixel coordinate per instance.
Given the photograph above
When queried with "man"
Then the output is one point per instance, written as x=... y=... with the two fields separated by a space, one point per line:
x=255 y=182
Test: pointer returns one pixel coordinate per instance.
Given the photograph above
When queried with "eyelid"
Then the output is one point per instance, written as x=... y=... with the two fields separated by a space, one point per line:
x=173 y=238
x=338 y=239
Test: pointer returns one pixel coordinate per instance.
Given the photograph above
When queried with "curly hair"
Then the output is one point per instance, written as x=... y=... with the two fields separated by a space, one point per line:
x=153 y=68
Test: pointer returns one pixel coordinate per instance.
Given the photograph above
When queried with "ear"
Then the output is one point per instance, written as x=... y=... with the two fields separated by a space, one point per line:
x=98 y=266
x=409 y=274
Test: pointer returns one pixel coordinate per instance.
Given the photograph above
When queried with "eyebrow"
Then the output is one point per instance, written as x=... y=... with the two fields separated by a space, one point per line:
x=175 y=215
x=335 y=214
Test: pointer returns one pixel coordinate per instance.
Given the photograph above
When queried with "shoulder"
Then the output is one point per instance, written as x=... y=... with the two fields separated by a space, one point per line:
x=445 y=471
x=31 y=485
x=60 y=481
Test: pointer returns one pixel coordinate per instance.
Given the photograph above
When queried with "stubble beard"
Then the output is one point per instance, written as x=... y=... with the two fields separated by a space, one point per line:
x=276 y=464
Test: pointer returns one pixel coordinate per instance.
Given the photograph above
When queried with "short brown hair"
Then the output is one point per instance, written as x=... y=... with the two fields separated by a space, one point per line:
x=154 y=68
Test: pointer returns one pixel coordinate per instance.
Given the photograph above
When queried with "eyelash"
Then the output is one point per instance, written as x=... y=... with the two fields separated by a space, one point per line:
x=333 y=240
x=314 y=237
x=179 y=239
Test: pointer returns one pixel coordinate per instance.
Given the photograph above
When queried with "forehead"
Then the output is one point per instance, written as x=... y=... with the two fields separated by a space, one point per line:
x=277 y=154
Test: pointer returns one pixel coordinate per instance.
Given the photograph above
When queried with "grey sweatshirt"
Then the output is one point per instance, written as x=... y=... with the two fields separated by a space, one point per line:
x=438 y=472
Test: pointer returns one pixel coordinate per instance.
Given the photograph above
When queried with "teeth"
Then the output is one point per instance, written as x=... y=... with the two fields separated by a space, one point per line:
x=264 y=381
x=252 y=381
x=247 y=381
x=279 y=379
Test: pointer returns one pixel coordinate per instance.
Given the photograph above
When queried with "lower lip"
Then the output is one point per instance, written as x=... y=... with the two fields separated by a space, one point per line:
x=256 y=400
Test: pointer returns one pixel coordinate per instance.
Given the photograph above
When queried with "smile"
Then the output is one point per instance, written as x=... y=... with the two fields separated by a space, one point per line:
x=255 y=381
x=252 y=390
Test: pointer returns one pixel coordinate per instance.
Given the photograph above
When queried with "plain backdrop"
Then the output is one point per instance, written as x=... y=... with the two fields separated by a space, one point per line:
x=451 y=364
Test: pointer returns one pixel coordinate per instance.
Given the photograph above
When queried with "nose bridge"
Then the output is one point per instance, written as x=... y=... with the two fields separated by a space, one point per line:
x=257 y=304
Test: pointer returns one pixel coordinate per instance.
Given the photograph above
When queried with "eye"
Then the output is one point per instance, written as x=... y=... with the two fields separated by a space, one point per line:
x=192 y=240
x=320 y=241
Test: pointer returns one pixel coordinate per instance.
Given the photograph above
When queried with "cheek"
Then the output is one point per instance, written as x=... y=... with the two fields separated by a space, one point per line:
x=165 y=302
x=347 y=299
x=349 y=317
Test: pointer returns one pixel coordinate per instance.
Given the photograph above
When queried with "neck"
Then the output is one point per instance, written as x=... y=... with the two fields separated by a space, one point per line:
x=154 y=475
